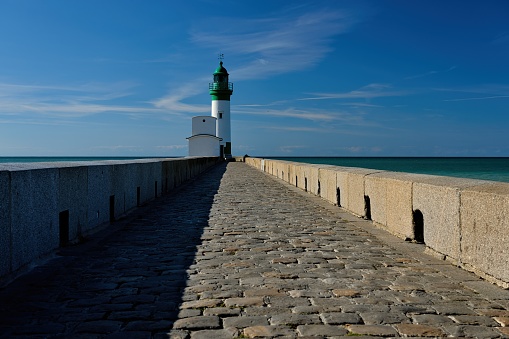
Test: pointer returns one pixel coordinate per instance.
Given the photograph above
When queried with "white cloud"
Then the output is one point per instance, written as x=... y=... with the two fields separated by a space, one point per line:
x=67 y=101
x=430 y=73
x=367 y=92
x=291 y=149
x=276 y=44
x=172 y=147
x=480 y=98
x=482 y=92
x=172 y=102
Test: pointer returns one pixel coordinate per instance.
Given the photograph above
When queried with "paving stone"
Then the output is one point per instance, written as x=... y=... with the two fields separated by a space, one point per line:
x=222 y=311
x=454 y=310
x=503 y=330
x=201 y=303
x=268 y=331
x=373 y=330
x=413 y=330
x=242 y=322
x=474 y=320
x=147 y=325
x=431 y=319
x=99 y=326
x=321 y=330
x=294 y=319
x=214 y=334
x=198 y=323
x=375 y=318
x=173 y=334
x=503 y=321
x=338 y=318
x=244 y=302
x=470 y=331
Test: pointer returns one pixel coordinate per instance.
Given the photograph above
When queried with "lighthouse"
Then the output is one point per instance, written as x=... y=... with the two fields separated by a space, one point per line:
x=220 y=90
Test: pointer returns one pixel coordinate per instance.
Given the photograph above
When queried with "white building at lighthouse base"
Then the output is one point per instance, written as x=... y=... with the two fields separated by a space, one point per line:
x=203 y=142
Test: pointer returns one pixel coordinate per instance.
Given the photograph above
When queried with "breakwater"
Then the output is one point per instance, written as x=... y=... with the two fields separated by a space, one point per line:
x=44 y=206
x=464 y=221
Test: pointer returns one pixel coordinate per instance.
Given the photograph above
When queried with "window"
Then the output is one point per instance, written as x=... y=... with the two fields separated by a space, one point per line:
x=220 y=115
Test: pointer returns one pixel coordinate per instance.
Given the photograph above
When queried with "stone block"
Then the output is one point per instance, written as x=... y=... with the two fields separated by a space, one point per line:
x=438 y=199
x=484 y=217
x=327 y=178
x=390 y=196
x=350 y=181
x=376 y=189
x=282 y=170
x=5 y=223
x=292 y=172
x=307 y=177
x=254 y=162
x=34 y=214
x=168 y=174
x=72 y=197
x=100 y=191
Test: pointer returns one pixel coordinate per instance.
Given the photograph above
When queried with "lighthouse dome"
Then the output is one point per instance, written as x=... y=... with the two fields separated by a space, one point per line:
x=221 y=69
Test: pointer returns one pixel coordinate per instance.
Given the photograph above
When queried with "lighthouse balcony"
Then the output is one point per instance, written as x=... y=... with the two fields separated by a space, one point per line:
x=221 y=86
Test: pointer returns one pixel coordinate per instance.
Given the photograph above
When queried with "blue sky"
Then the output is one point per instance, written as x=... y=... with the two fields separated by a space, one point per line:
x=315 y=78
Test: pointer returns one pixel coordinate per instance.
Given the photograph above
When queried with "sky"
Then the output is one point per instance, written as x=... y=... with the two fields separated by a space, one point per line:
x=311 y=78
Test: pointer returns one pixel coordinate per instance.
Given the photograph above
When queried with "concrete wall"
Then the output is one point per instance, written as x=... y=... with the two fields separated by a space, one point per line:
x=464 y=221
x=45 y=205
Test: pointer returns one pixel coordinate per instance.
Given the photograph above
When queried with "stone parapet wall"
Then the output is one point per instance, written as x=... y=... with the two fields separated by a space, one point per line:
x=464 y=221
x=47 y=205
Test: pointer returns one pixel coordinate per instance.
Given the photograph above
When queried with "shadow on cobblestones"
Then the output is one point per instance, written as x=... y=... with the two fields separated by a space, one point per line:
x=124 y=282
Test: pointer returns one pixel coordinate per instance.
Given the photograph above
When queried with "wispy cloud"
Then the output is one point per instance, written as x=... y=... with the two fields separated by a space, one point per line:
x=173 y=101
x=501 y=39
x=430 y=73
x=291 y=149
x=312 y=114
x=480 y=98
x=367 y=92
x=67 y=101
x=481 y=92
x=277 y=44
x=171 y=147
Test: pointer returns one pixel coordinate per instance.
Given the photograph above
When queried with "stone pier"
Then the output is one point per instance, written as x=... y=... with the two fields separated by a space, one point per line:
x=239 y=254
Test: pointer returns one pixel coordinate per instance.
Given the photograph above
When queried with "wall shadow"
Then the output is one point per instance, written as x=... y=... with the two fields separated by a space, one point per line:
x=130 y=277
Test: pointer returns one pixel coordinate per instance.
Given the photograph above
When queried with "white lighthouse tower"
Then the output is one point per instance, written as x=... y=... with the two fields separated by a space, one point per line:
x=220 y=91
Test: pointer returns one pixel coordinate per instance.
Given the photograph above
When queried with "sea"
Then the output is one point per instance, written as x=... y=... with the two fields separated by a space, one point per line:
x=485 y=168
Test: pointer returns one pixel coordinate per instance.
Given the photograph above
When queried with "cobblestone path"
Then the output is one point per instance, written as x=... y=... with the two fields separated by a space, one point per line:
x=239 y=254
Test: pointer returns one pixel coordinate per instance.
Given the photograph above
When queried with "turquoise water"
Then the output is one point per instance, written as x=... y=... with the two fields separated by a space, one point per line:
x=54 y=159
x=496 y=169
